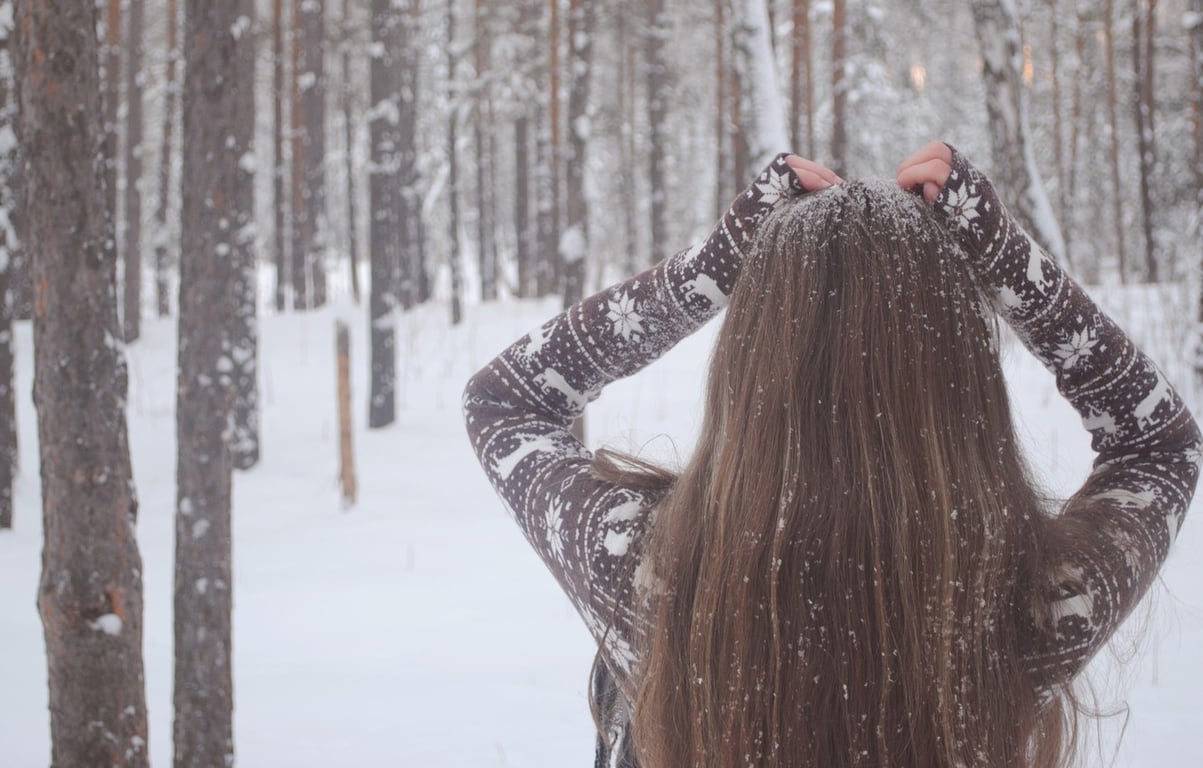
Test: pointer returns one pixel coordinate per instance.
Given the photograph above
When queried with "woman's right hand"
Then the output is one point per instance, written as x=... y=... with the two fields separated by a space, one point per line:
x=957 y=190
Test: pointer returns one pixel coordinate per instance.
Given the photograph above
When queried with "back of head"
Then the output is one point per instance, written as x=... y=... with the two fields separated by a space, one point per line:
x=847 y=555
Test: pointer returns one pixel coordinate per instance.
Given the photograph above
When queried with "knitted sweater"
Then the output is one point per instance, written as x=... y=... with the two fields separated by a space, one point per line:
x=520 y=406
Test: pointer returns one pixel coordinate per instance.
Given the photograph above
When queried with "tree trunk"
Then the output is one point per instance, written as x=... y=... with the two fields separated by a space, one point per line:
x=486 y=255
x=349 y=152
x=1113 y=125
x=802 y=82
x=8 y=243
x=1006 y=105
x=90 y=595
x=214 y=83
x=839 y=94
x=654 y=43
x=110 y=100
x=384 y=236
x=162 y=230
x=1058 y=145
x=723 y=156
x=1194 y=24
x=1144 y=106
x=764 y=119
x=244 y=340
x=308 y=155
x=132 y=313
x=628 y=69
x=279 y=202
x=547 y=180
x=457 y=312
x=574 y=244
x=410 y=271
x=522 y=230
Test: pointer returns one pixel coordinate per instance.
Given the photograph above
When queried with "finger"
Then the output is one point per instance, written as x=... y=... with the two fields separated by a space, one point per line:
x=810 y=180
x=930 y=191
x=935 y=171
x=801 y=164
x=935 y=150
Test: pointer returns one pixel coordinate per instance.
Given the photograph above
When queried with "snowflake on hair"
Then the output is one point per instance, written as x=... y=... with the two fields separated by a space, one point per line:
x=1079 y=346
x=624 y=316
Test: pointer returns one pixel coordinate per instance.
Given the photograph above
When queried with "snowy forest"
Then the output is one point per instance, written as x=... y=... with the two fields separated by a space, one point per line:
x=251 y=251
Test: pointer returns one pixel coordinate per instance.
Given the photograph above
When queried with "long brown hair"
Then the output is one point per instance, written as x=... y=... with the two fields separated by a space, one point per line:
x=847 y=561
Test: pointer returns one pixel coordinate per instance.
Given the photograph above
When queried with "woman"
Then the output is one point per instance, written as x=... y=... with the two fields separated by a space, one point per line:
x=854 y=568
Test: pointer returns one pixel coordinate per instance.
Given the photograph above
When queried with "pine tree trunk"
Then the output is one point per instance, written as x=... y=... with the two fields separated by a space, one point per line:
x=110 y=100
x=654 y=42
x=162 y=230
x=1054 y=49
x=839 y=93
x=522 y=228
x=486 y=256
x=722 y=154
x=626 y=144
x=1113 y=125
x=548 y=182
x=349 y=152
x=132 y=312
x=8 y=243
x=213 y=87
x=410 y=271
x=1006 y=105
x=90 y=595
x=802 y=83
x=457 y=312
x=308 y=155
x=384 y=236
x=574 y=244
x=279 y=202
x=1144 y=106
x=1194 y=24
x=244 y=340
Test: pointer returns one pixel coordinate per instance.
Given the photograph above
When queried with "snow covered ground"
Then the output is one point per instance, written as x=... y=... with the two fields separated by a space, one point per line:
x=417 y=629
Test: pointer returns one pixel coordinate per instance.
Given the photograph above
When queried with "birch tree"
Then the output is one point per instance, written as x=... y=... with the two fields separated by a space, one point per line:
x=214 y=84
x=763 y=117
x=1017 y=174
x=90 y=595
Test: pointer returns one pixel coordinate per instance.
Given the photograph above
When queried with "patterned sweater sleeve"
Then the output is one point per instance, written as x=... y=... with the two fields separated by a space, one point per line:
x=1115 y=532
x=520 y=406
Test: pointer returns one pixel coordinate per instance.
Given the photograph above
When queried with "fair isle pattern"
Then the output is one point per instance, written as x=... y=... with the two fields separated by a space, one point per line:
x=519 y=409
x=1148 y=444
x=520 y=406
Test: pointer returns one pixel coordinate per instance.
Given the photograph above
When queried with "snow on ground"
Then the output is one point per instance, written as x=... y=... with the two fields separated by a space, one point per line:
x=417 y=629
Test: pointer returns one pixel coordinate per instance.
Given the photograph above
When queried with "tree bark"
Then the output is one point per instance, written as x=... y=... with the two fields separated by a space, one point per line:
x=1194 y=24
x=453 y=256
x=522 y=227
x=90 y=595
x=654 y=42
x=110 y=100
x=279 y=202
x=411 y=279
x=1113 y=125
x=309 y=153
x=8 y=243
x=384 y=235
x=485 y=252
x=162 y=230
x=763 y=118
x=547 y=180
x=574 y=243
x=348 y=103
x=1144 y=105
x=839 y=93
x=132 y=305
x=802 y=82
x=244 y=339
x=1006 y=105
x=214 y=83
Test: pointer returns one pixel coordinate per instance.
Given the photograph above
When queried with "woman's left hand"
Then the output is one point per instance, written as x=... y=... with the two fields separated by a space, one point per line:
x=811 y=175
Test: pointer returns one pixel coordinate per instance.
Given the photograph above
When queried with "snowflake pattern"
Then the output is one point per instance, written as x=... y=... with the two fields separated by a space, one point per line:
x=1079 y=346
x=774 y=185
x=553 y=521
x=962 y=203
x=623 y=314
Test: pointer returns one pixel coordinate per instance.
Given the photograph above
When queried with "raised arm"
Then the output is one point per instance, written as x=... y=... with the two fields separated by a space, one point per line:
x=1115 y=532
x=519 y=407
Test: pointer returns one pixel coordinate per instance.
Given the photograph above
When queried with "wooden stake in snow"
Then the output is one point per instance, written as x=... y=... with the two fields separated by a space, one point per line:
x=346 y=455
